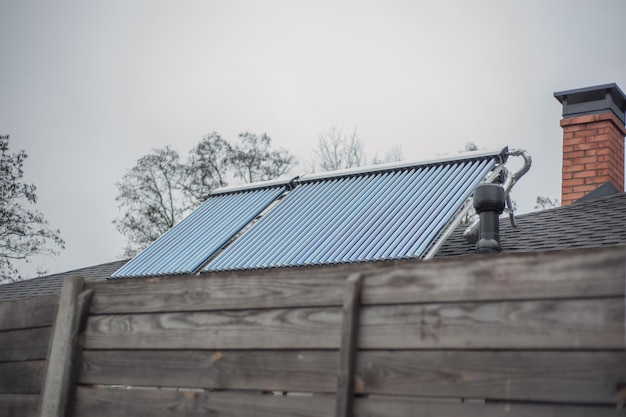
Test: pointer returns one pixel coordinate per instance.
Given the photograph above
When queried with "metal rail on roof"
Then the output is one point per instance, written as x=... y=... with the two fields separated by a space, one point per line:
x=501 y=152
x=370 y=169
x=280 y=182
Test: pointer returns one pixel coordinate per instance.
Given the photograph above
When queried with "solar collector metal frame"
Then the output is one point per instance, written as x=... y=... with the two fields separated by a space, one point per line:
x=385 y=214
x=188 y=245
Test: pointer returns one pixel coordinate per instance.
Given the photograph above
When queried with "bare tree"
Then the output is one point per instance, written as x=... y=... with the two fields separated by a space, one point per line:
x=24 y=233
x=336 y=150
x=254 y=160
x=543 y=203
x=208 y=167
x=394 y=154
x=159 y=190
x=150 y=198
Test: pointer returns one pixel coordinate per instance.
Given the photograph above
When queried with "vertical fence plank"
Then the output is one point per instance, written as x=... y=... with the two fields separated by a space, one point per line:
x=59 y=381
x=349 y=334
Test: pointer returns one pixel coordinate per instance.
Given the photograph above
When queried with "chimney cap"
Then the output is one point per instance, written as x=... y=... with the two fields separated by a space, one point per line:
x=593 y=100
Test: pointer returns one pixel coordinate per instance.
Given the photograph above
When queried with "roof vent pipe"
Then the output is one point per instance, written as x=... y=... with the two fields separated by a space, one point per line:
x=471 y=232
x=489 y=201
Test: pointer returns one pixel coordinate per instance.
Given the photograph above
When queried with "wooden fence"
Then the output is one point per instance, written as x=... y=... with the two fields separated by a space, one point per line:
x=538 y=334
x=25 y=328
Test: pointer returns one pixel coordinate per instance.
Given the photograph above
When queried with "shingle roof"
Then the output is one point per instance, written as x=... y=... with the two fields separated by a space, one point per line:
x=600 y=222
x=51 y=284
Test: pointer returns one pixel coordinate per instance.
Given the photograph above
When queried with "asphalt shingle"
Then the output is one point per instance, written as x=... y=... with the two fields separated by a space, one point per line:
x=51 y=284
x=600 y=222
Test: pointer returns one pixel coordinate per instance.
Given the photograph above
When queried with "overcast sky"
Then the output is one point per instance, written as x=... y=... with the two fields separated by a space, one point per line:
x=88 y=87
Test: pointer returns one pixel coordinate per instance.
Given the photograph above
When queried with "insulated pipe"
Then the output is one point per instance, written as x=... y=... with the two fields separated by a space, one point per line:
x=489 y=201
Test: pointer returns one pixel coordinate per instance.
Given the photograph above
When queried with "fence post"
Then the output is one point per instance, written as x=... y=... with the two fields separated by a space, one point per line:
x=347 y=354
x=64 y=353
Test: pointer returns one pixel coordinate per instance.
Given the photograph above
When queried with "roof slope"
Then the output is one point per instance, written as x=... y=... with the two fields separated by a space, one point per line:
x=51 y=284
x=600 y=222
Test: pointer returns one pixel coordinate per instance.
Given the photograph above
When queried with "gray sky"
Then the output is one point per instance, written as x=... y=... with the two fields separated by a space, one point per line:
x=87 y=88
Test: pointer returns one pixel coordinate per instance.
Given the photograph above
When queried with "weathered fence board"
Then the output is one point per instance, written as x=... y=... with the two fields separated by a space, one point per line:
x=29 y=312
x=21 y=377
x=538 y=275
x=309 y=371
x=215 y=293
x=590 y=377
x=398 y=407
x=13 y=405
x=96 y=402
x=586 y=377
x=543 y=275
x=547 y=324
x=252 y=329
x=21 y=345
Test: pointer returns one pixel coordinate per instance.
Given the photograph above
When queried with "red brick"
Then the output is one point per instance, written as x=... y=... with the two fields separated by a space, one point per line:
x=603 y=158
x=572 y=155
x=573 y=141
x=585 y=174
x=598 y=165
x=585 y=133
x=573 y=196
x=597 y=151
x=617 y=136
x=606 y=129
x=575 y=128
x=604 y=136
x=584 y=146
x=585 y=188
x=573 y=182
x=585 y=160
x=567 y=175
x=582 y=119
x=594 y=180
x=573 y=168
x=598 y=180
x=604 y=120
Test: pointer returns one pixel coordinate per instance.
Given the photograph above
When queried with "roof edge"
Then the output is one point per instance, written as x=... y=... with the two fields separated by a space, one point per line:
x=499 y=152
x=254 y=185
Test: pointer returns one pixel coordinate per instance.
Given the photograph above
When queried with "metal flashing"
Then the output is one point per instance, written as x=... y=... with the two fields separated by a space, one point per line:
x=593 y=100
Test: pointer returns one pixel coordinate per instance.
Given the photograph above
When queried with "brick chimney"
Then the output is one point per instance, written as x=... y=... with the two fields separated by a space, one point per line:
x=593 y=142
